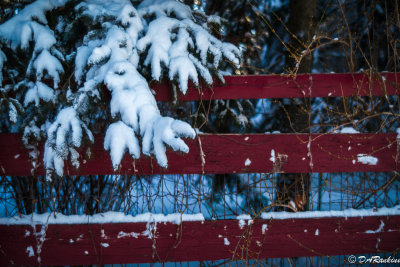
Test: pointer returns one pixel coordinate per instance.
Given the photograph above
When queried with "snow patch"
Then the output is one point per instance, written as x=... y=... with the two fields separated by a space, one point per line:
x=366 y=159
x=131 y=234
x=30 y=251
x=272 y=158
x=247 y=162
x=264 y=228
x=348 y=130
x=226 y=242
x=380 y=228
x=242 y=220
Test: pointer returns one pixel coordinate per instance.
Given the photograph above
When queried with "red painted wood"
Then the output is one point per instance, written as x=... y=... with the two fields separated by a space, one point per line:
x=195 y=241
x=283 y=86
x=227 y=153
x=279 y=86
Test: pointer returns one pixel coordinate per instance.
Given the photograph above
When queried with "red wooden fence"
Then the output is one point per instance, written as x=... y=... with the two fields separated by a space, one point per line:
x=232 y=153
x=114 y=243
x=227 y=153
x=280 y=86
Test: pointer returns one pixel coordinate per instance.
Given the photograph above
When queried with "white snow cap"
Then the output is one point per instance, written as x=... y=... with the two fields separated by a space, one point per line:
x=367 y=159
x=348 y=130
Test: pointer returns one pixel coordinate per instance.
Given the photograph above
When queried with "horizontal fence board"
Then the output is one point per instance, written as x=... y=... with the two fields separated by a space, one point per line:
x=231 y=153
x=84 y=244
x=280 y=86
x=283 y=86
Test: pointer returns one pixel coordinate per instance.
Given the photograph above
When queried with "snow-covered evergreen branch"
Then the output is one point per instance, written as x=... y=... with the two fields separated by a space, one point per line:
x=81 y=47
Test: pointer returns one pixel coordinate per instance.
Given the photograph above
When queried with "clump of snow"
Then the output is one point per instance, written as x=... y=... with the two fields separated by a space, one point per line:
x=366 y=159
x=247 y=162
x=20 y=29
x=272 y=158
x=30 y=251
x=242 y=219
x=264 y=228
x=38 y=91
x=48 y=62
x=317 y=232
x=119 y=138
x=122 y=234
x=348 y=130
x=226 y=242
x=63 y=136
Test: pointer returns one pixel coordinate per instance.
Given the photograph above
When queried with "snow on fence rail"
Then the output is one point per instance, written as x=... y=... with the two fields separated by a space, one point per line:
x=32 y=241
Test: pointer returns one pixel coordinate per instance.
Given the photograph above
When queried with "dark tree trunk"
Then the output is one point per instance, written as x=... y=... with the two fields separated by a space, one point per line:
x=301 y=25
x=293 y=189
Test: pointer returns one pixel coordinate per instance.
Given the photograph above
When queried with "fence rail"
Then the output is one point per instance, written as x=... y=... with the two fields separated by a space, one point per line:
x=233 y=153
x=281 y=86
x=224 y=153
x=116 y=243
